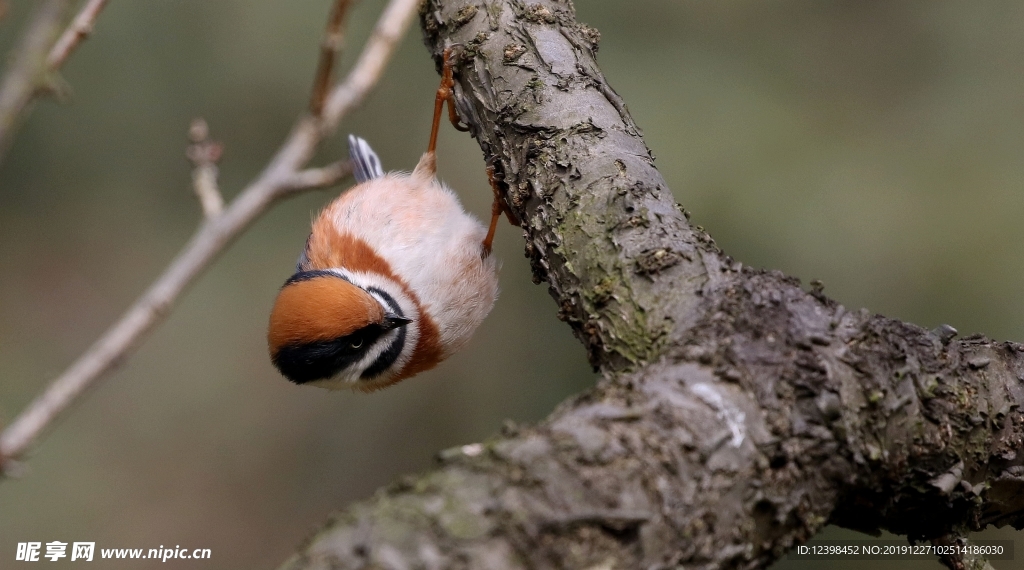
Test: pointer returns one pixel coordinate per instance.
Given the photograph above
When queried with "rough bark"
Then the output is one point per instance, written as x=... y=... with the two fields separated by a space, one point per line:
x=737 y=414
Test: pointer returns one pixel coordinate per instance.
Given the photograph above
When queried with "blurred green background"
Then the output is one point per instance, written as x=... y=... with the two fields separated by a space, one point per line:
x=874 y=145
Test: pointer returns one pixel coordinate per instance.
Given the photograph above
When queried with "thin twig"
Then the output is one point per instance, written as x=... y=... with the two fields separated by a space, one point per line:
x=204 y=155
x=28 y=71
x=389 y=29
x=80 y=28
x=33 y=70
x=278 y=179
x=321 y=177
x=329 y=47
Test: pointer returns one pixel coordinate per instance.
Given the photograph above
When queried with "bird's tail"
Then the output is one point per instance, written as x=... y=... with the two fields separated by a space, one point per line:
x=365 y=163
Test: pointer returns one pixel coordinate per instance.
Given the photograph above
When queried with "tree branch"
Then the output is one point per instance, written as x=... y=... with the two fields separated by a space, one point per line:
x=75 y=34
x=204 y=155
x=28 y=72
x=738 y=413
x=37 y=59
x=283 y=176
x=389 y=30
x=328 y=49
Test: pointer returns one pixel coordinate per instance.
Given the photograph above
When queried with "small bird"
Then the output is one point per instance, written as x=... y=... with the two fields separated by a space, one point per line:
x=394 y=278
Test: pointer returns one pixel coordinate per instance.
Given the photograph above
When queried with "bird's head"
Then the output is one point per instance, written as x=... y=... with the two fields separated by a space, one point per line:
x=328 y=332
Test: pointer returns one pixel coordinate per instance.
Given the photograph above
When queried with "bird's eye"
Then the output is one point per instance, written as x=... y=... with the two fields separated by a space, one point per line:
x=355 y=344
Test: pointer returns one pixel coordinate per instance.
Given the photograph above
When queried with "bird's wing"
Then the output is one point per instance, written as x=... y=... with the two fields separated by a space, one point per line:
x=365 y=164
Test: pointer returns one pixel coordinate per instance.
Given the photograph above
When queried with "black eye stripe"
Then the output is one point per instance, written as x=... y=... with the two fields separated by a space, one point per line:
x=388 y=300
x=319 y=360
x=387 y=358
x=310 y=275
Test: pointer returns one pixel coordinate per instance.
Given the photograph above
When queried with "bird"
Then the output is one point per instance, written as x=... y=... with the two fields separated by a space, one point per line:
x=394 y=278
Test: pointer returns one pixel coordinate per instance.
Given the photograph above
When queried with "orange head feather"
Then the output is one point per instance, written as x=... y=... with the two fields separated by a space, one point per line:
x=319 y=308
x=323 y=327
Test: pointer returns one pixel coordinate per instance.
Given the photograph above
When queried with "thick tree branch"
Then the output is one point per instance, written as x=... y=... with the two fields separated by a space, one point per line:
x=284 y=176
x=738 y=413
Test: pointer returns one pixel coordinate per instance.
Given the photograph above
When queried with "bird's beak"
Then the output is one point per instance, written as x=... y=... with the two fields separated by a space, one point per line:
x=393 y=321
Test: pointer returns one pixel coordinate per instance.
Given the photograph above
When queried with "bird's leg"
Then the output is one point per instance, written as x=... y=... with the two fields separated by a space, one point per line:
x=497 y=207
x=445 y=93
